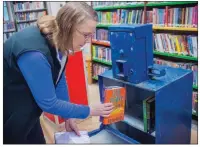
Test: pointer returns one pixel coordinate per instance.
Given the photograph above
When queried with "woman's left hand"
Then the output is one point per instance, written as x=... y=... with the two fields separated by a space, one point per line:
x=70 y=125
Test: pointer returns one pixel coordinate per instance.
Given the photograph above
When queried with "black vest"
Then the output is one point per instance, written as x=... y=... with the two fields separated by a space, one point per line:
x=20 y=111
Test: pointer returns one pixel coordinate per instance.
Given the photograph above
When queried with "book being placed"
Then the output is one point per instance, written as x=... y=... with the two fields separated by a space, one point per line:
x=71 y=138
x=117 y=96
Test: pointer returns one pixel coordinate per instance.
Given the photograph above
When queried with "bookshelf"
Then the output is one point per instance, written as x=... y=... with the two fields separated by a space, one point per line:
x=190 y=58
x=182 y=28
x=27 y=13
x=23 y=14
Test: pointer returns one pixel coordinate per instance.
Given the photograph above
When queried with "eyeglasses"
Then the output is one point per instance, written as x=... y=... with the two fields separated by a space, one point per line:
x=85 y=36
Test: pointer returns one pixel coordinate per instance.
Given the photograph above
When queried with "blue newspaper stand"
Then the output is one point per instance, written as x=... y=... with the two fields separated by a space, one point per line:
x=133 y=68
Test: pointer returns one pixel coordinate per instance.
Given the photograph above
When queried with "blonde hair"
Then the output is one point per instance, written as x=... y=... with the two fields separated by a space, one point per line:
x=59 y=30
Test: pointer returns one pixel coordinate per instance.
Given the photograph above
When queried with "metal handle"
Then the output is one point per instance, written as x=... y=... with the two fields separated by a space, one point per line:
x=156 y=72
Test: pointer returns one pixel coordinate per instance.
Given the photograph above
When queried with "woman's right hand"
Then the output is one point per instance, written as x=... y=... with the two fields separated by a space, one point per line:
x=101 y=109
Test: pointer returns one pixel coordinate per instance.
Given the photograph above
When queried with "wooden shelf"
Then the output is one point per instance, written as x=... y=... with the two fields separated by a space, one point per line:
x=101 y=43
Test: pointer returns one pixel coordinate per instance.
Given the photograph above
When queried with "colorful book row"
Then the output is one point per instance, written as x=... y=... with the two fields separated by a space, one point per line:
x=99 y=69
x=20 y=6
x=114 y=3
x=101 y=53
x=121 y=16
x=29 y=15
x=179 y=44
x=173 y=17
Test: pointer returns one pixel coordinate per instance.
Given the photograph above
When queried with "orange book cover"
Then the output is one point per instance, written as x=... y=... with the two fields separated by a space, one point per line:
x=117 y=96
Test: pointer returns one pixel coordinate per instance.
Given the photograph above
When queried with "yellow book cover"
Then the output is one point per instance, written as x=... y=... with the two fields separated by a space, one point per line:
x=117 y=96
x=177 y=45
x=94 y=51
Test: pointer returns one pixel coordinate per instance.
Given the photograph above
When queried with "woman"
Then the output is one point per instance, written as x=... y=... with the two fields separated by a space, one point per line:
x=34 y=81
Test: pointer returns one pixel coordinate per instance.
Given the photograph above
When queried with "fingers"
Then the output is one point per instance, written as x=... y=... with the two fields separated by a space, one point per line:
x=67 y=127
x=108 y=108
x=107 y=112
x=108 y=104
x=75 y=128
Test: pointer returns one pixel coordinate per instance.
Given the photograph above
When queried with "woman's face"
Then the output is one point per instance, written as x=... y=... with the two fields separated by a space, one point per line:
x=83 y=34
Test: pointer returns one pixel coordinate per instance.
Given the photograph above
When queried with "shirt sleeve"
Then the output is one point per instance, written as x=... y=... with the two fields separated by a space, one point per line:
x=62 y=89
x=39 y=79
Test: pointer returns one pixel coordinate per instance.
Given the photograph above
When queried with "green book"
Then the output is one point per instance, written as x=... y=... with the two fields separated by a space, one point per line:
x=145 y=112
x=150 y=115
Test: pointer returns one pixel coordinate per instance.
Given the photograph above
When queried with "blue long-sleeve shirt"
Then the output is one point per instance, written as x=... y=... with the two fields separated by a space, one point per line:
x=37 y=73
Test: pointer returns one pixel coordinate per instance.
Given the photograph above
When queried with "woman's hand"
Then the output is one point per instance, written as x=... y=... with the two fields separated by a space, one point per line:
x=70 y=126
x=101 y=109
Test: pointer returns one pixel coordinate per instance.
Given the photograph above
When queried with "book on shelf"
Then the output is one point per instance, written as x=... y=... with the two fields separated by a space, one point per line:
x=29 y=15
x=99 y=69
x=184 y=65
x=195 y=102
x=179 y=44
x=24 y=25
x=101 y=35
x=22 y=6
x=115 y=3
x=149 y=114
x=101 y=53
x=8 y=25
x=173 y=17
x=121 y=16
x=115 y=95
